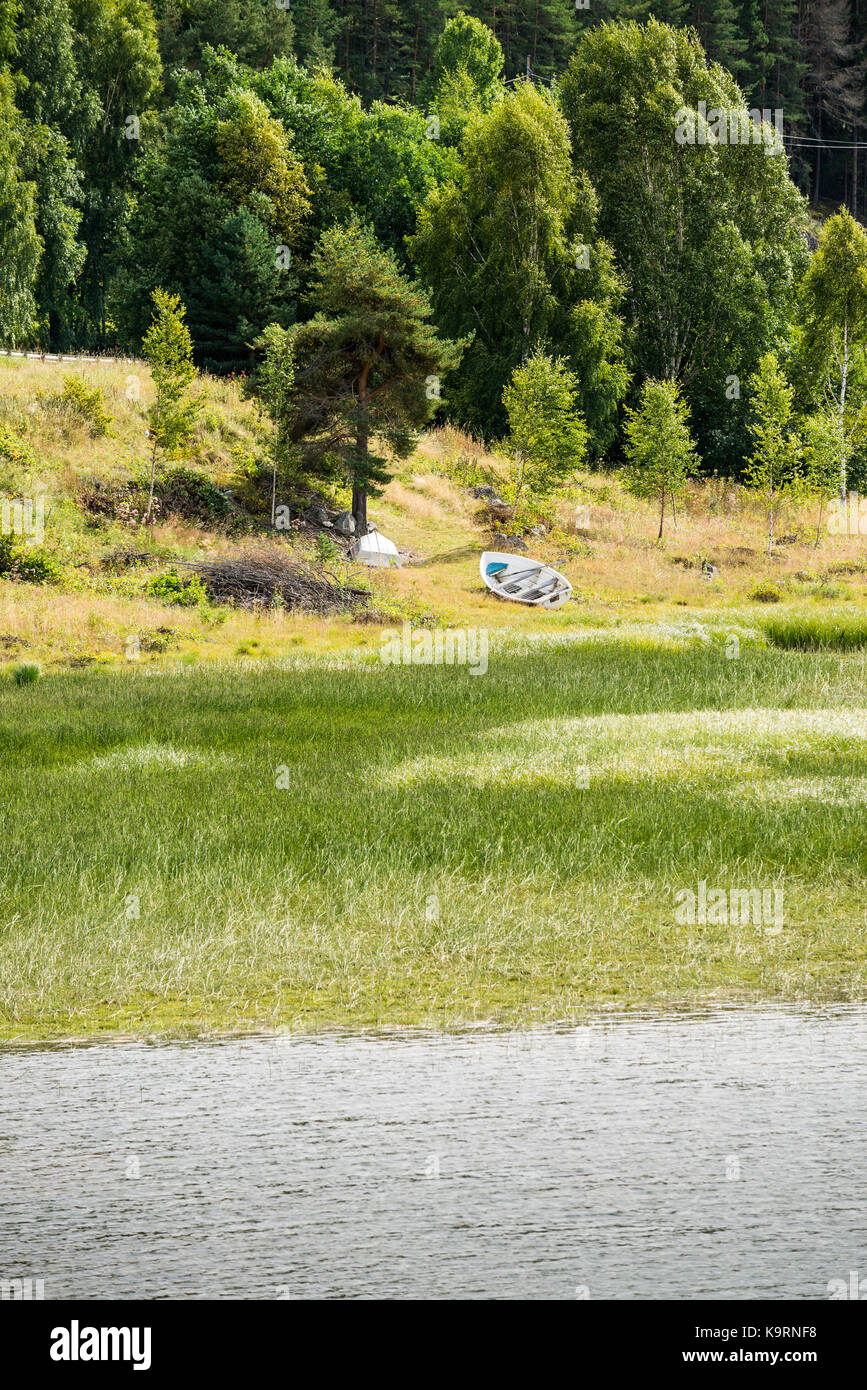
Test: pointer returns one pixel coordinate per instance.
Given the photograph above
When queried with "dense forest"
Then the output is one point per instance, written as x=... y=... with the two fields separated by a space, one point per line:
x=507 y=171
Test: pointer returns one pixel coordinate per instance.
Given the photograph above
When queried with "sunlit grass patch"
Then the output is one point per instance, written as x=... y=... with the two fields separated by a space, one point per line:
x=836 y=631
x=311 y=842
x=740 y=745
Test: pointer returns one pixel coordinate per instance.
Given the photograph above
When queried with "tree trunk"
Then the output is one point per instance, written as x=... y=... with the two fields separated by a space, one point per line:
x=414 y=60
x=362 y=442
x=519 y=483
x=359 y=477
x=844 y=378
x=153 y=479
x=359 y=507
x=661 y=513
x=274 y=473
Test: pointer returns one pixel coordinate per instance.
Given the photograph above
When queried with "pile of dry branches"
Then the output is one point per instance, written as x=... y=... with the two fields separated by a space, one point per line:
x=261 y=575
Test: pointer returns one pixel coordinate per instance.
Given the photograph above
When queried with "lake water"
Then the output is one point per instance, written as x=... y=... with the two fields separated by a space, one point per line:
x=696 y=1156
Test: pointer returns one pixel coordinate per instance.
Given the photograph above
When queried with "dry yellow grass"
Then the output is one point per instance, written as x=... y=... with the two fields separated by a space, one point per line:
x=601 y=538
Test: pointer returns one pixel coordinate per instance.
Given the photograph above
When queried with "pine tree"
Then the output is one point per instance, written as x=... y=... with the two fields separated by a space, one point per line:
x=785 y=65
x=316 y=26
x=367 y=365
x=234 y=290
x=717 y=23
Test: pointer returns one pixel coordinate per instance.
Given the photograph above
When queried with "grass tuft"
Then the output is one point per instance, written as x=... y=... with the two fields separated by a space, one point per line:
x=27 y=673
x=814 y=632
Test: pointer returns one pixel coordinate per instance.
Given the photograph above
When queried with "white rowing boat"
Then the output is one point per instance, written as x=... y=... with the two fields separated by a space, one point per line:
x=525 y=581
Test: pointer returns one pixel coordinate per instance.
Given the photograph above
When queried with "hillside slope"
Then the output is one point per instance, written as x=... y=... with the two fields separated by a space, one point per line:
x=105 y=589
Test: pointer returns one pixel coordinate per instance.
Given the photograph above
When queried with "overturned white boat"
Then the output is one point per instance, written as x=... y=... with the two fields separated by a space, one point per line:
x=374 y=549
x=524 y=580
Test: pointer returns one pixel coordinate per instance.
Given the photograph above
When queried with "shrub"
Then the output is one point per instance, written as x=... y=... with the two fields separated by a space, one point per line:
x=116 y=501
x=86 y=403
x=184 y=590
x=157 y=639
x=326 y=549
x=191 y=494
x=824 y=590
x=13 y=450
x=26 y=674
x=765 y=591
x=32 y=565
x=124 y=557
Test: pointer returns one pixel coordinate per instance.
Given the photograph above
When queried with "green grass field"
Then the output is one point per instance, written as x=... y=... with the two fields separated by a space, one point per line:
x=442 y=848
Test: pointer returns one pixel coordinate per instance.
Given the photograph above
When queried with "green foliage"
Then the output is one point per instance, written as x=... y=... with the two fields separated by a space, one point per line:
x=503 y=247
x=825 y=452
x=168 y=348
x=272 y=385
x=221 y=204
x=158 y=639
x=184 y=145
x=325 y=548
x=20 y=247
x=659 y=447
x=14 y=450
x=60 y=115
x=466 y=67
x=378 y=164
x=467 y=45
x=831 y=355
x=118 y=66
x=27 y=563
x=368 y=364
x=87 y=404
x=186 y=591
x=772 y=470
x=708 y=235
x=385 y=50
x=27 y=673
x=254 y=29
x=546 y=432
x=257 y=168
x=389 y=168
x=765 y=591
x=189 y=493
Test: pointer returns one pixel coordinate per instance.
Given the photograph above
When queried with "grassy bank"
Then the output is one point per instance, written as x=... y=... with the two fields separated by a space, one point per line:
x=105 y=563
x=441 y=847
